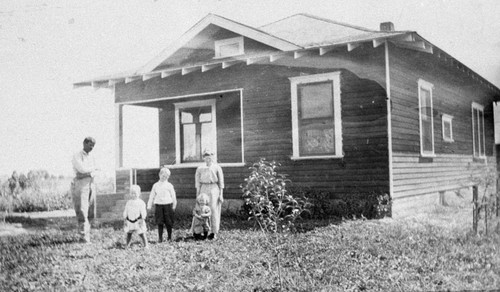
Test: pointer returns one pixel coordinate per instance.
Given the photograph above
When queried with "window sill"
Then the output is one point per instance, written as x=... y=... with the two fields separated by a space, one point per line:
x=480 y=159
x=316 y=157
x=426 y=159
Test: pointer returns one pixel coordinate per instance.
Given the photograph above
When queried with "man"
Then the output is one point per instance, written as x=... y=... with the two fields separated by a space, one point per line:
x=83 y=187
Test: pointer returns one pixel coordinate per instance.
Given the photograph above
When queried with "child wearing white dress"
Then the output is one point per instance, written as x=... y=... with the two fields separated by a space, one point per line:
x=135 y=216
x=201 y=217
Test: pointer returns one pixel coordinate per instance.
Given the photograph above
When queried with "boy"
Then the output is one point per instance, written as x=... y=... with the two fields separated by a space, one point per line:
x=163 y=197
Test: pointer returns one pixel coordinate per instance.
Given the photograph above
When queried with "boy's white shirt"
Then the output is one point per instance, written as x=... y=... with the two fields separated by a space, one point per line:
x=162 y=193
x=135 y=208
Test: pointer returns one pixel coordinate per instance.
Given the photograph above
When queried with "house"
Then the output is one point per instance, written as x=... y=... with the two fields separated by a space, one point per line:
x=340 y=107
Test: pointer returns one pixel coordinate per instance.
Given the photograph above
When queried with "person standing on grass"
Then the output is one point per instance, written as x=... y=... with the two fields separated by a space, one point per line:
x=135 y=216
x=209 y=180
x=83 y=188
x=163 y=197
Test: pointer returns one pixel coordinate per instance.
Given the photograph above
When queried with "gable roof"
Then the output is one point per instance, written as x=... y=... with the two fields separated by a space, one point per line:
x=222 y=22
x=297 y=33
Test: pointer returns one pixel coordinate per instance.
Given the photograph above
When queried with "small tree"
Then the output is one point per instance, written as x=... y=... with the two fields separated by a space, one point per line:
x=268 y=202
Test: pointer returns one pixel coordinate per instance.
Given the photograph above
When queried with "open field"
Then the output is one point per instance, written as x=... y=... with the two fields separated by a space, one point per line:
x=429 y=252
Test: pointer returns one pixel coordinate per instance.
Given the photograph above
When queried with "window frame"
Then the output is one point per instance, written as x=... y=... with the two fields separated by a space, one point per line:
x=236 y=40
x=476 y=124
x=447 y=119
x=425 y=85
x=334 y=77
x=193 y=104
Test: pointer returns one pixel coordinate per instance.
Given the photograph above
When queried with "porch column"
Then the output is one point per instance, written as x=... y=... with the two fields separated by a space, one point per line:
x=119 y=136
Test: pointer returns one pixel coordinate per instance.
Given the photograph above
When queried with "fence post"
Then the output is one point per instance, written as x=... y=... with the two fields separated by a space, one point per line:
x=475 y=209
x=486 y=218
x=497 y=198
x=498 y=202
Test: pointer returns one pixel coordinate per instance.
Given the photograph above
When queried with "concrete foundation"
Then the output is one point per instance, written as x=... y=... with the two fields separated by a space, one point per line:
x=410 y=206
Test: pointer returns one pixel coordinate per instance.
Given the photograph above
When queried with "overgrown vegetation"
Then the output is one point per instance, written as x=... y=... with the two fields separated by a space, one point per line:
x=324 y=204
x=267 y=201
x=41 y=191
x=359 y=255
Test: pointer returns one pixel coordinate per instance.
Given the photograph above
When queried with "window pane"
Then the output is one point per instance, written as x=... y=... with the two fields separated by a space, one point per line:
x=481 y=134
x=207 y=137
x=316 y=100
x=317 y=138
x=186 y=117
x=427 y=135
x=426 y=104
x=206 y=117
x=475 y=118
x=447 y=130
x=189 y=149
x=426 y=116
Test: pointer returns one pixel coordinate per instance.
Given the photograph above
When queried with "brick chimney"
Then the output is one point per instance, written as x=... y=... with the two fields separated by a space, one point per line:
x=387 y=26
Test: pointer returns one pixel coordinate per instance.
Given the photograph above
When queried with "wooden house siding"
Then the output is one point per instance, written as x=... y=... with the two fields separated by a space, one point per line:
x=453 y=94
x=267 y=125
x=446 y=172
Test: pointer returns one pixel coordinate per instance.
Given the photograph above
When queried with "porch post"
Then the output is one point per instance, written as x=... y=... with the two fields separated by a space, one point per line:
x=119 y=135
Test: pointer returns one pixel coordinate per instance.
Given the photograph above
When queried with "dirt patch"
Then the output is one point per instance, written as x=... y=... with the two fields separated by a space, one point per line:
x=10 y=229
x=25 y=223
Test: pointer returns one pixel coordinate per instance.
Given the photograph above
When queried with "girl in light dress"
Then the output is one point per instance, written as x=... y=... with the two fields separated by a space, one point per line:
x=201 y=217
x=135 y=216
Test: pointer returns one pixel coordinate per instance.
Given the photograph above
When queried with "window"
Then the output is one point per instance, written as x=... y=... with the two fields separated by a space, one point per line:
x=478 y=130
x=189 y=125
x=195 y=129
x=426 y=118
x=316 y=121
x=447 y=128
x=229 y=47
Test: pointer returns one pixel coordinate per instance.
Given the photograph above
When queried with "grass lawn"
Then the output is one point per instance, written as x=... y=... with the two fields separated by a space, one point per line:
x=433 y=251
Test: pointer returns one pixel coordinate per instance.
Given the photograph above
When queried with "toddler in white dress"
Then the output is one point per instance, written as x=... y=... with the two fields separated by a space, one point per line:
x=135 y=216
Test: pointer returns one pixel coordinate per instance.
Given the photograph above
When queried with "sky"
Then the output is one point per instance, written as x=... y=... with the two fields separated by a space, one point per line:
x=46 y=46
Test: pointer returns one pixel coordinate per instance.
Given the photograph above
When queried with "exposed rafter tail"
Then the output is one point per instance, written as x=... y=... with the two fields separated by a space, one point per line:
x=150 y=76
x=188 y=70
x=378 y=42
x=167 y=73
x=325 y=50
x=352 y=46
x=205 y=68
x=132 y=78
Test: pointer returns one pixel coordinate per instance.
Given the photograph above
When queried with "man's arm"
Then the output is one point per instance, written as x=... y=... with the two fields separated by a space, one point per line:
x=80 y=166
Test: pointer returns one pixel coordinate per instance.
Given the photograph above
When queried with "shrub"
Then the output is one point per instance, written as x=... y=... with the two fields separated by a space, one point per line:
x=267 y=200
x=326 y=205
x=40 y=191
